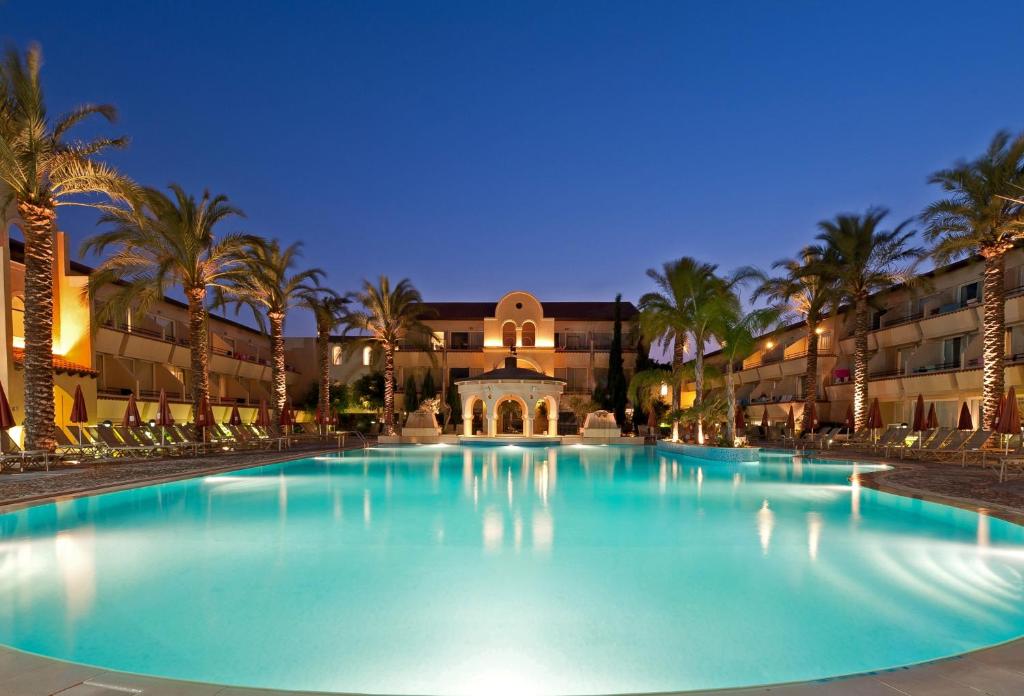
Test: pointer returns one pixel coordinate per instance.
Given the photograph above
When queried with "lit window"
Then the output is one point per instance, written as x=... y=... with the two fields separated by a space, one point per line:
x=335 y=355
x=508 y=334
x=367 y=351
x=529 y=334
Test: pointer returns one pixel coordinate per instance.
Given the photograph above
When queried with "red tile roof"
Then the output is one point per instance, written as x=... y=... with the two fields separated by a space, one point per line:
x=59 y=364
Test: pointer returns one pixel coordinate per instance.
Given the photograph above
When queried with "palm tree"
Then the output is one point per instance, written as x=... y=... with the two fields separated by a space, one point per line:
x=738 y=335
x=806 y=290
x=160 y=242
x=690 y=301
x=268 y=284
x=863 y=260
x=645 y=387
x=42 y=169
x=983 y=214
x=330 y=312
x=389 y=315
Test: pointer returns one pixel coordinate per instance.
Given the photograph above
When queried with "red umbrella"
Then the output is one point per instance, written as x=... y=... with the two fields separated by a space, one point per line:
x=764 y=418
x=849 y=418
x=812 y=420
x=965 y=422
x=262 y=415
x=79 y=414
x=1000 y=407
x=131 y=414
x=919 y=423
x=875 y=416
x=790 y=420
x=163 y=416
x=1009 y=420
x=287 y=417
x=932 y=422
x=204 y=414
x=741 y=421
x=235 y=418
x=6 y=417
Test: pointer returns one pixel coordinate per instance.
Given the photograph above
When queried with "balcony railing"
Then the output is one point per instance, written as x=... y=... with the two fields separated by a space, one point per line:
x=953 y=366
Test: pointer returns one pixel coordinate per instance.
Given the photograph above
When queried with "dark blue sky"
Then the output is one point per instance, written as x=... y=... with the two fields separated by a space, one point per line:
x=561 y=148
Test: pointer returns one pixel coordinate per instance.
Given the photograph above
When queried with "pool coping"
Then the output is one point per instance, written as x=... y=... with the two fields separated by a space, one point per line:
x=999 y=667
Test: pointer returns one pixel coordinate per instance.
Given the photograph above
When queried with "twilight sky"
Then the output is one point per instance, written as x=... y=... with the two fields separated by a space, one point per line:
x=561 y=148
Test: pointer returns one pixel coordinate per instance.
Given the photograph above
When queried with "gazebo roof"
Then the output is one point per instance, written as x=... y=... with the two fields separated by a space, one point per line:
x=511 y=372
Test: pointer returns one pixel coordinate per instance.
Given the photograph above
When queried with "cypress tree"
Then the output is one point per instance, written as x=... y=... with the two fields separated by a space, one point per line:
x=428 y=390
x=617 y=386
x=412 y=401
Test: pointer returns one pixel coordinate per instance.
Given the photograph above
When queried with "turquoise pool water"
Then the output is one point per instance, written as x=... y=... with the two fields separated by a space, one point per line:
x=442 y=570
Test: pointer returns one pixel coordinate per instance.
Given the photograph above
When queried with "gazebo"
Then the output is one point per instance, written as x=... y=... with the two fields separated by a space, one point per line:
x=521 y=385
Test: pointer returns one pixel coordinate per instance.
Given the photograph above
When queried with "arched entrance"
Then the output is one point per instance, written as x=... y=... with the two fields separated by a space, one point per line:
x=507 y=399
x=511 y=417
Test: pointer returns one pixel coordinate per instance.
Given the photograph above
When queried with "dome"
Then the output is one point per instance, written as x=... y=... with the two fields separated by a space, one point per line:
x=511 y=371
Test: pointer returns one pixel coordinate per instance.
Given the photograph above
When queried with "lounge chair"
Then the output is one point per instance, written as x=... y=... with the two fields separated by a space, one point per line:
x=116 y=446
x=12 y=454
x=926 y=440
x=72 y=445
x=949 y=448
x=975 y=444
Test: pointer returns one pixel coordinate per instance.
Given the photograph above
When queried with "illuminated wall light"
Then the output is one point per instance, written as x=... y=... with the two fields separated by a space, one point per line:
x=769 y=345
x=818 y=330
x=664 y=389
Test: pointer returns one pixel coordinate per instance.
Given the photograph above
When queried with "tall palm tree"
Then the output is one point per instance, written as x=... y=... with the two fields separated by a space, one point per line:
x=738 y=335
x=43 y=169
x=863 y=260
x=330 y=312
x=269 y=284
x=805 y=289
x=983 y=214
x=160 y=242
x=689 y=302
x=389 y=315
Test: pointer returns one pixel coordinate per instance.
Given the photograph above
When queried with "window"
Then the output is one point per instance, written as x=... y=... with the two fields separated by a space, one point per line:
x=969 y=293
x=367 y=356
x=529 y=334
x=336 y=353
x=508 y=334
x=460 y=340
x=953 y=352
x=456 y=373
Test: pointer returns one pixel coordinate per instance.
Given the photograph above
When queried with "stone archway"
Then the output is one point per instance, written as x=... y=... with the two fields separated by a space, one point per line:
x=469 y=416
x=502 y=421
x=522 y=385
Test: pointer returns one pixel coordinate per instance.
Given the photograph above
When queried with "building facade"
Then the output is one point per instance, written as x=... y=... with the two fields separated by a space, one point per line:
x=137 y=355
x=925 y=339
x=566 y=340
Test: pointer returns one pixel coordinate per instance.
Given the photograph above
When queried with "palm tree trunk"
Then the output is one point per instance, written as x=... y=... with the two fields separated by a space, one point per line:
x=323 y=334
x=389 y=389
x=860 y=363
x=994 y=337
x=39 y=407
x=698 y=387
x=730 y=412
x=810 y=373
x=277 y=371
x=199 y=346
x=678 y=355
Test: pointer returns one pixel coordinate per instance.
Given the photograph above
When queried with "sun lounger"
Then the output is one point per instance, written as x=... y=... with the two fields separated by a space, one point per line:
x=70 y=444
x=926 y=440
x=12 y=454
x=940 y=451
x=116 y=446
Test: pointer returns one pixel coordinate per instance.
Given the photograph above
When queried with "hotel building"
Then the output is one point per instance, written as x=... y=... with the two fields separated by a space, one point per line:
x=923 y=340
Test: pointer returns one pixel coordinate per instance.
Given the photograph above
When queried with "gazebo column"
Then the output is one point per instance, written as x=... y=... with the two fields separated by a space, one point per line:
x=552 y=422
x=492 y=423
x=527 y=424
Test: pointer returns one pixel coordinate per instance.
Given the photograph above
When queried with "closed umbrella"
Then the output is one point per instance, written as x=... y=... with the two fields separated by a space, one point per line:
x=262 y=415
x=812 y=420
x=932 y=421
x=79 y=413
x=764 y=418
x=791 y=420
x=131 y=414
x=235 y=418
x=874 y=416
x=965 y=422
x=204 y=416
x=1009 y=422
x=741 y=421
x=919 y=423
x=163 y=416
x=6 y=417
x=849 y=418
x=287 y=417
x=1000 y=407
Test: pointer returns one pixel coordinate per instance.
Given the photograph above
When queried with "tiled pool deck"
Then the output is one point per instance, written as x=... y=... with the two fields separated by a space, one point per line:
x=997 y=671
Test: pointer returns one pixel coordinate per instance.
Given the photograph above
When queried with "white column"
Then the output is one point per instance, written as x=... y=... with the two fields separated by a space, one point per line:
x=492 y=423
x=527 y=424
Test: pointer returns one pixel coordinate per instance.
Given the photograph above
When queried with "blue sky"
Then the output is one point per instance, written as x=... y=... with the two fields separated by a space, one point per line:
x=561 y=148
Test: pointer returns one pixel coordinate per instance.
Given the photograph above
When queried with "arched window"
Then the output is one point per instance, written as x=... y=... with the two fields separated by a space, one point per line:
x=529 y=334
x=335 y=355
x=508 y=334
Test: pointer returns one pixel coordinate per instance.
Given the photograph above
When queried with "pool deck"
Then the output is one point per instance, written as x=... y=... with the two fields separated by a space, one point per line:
x=997 y=671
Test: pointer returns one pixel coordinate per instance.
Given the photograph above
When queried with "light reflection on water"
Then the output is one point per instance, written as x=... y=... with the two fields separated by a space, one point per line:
x=508 y=570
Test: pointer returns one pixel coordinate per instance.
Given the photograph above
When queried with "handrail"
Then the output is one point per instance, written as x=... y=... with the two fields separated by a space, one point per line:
x=362 y=438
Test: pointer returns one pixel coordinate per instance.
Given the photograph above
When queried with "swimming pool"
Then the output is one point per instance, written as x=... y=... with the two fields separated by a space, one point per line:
x=483 y=570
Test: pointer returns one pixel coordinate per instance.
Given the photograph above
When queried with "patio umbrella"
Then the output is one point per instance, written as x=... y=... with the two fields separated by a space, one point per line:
x=204 y=416
x=287 y=417
x=919 y=423
x=965 y=422
x=6 y=417
x=932 y=421
x=741 y=421
x=235 y=418
x=812 y=421
x=163 y=416
x=131 y=414
x=874 y=416
x=764 y=419
x=1009 y=421
x=1000 y=407
x=849 y=418
x=262 y=415
x=79 y=414
x=791 y=420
